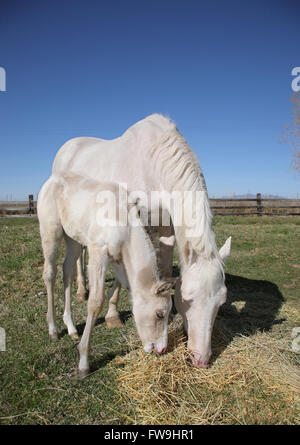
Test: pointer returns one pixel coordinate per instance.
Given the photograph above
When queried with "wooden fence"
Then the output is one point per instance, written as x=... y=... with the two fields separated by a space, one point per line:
x=219 y=206
x=18 y=207
x=255 y=206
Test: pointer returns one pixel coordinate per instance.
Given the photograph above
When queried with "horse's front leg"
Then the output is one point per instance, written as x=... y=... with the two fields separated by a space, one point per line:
x=112 y=318
x=97 y=267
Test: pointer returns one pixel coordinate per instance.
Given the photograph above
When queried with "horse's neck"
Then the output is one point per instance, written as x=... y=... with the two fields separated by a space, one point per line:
x=196 y=242
x=181 y=242
x=177 y=170
x=139 y=259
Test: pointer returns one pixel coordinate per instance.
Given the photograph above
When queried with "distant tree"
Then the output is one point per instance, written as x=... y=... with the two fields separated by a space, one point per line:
x=292 y=133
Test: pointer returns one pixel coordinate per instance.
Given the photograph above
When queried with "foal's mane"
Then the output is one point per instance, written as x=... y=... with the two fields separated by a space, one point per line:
x=152 y=268
x=179 y=170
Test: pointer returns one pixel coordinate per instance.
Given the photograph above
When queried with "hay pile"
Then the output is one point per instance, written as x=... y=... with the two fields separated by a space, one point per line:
x=250 y=381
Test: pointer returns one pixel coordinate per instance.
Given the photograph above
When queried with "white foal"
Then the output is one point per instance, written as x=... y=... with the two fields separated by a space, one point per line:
x=165 y=260
x=71 y=208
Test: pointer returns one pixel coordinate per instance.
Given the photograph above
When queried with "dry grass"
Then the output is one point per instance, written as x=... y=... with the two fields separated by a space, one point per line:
x=251 y=381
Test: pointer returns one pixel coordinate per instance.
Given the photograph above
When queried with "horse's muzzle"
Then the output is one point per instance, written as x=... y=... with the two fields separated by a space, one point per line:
x=160 y=350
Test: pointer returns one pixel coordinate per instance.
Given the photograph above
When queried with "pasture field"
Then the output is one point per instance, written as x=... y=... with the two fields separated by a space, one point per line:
x=254 y=375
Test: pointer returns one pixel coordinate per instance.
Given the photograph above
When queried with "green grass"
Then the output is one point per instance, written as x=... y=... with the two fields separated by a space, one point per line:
x=38 y=381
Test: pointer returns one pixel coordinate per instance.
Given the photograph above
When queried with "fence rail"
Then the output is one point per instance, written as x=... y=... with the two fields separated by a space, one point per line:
x=220 y=206
x=18 y=207
x=255 y=206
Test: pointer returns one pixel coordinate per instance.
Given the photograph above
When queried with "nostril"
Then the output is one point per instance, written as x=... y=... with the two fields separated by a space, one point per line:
x=159 y=350
x=149 y=347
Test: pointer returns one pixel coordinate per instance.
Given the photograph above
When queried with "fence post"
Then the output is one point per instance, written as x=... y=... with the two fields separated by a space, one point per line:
x=31 y=204
x=258 y=204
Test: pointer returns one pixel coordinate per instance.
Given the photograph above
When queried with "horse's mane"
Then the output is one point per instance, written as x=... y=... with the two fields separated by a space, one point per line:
x=177 y=162
x=179 y=170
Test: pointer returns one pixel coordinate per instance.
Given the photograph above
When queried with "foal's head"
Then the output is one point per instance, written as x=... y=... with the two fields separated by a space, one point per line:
x=151 y=308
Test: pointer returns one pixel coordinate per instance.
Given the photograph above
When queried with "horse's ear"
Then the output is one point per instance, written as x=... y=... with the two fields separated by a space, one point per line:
x=167 y=240
x=166 y=286
x=225 y=249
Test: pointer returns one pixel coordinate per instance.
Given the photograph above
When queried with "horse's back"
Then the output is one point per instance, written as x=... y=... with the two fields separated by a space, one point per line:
x=113 y=160
x=77 y=205
x=70 y=150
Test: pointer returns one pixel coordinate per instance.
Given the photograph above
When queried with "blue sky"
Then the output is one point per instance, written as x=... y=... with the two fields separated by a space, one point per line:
x=220 y=69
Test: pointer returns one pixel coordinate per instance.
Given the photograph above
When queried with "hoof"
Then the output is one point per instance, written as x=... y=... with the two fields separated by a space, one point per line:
x=82 y=373
x=75 y=336
x=114 y=322
x=53 y=336
x=82 y=296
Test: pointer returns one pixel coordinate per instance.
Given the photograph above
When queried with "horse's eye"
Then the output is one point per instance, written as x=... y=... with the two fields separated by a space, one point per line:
x=159 y=314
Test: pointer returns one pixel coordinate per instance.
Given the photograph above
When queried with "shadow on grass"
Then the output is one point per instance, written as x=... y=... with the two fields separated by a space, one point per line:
x=252 y=306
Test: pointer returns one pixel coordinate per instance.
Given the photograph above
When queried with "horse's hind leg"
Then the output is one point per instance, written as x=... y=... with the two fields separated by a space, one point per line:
x=81 y=282
x=51 y=235
x=73 y=252
x=51 y=238
x=112 y=318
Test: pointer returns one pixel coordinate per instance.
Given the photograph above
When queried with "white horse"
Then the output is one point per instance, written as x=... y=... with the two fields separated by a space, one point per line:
x=150 y=156
x=71 y=208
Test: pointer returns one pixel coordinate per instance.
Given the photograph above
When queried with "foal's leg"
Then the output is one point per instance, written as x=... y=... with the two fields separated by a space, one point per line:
x=51 y=238
x=166 y=252
x=112 y=317
x=81 y=283
x=73 y=252
x=97 y=267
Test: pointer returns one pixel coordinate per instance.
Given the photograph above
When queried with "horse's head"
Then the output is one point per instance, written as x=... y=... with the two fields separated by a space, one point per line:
x=198 y=299
x=151 y=313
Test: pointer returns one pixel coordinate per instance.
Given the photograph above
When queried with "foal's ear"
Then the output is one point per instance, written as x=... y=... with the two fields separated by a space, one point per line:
x=225 y=249
x=166 y=286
